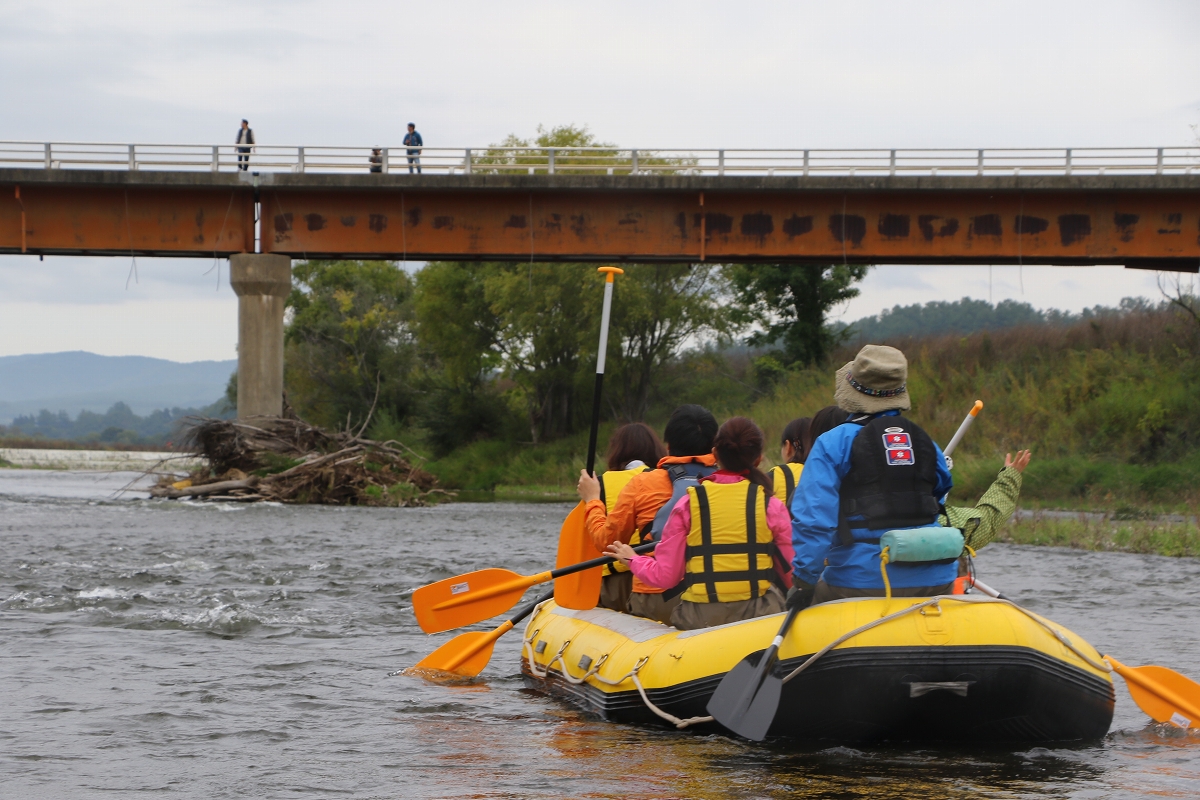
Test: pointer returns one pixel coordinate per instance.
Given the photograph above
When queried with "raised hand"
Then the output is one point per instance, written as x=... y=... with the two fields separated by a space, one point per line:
x=1020 y=462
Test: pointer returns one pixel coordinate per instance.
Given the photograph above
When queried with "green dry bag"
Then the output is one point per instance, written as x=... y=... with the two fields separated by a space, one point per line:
x=934 y=543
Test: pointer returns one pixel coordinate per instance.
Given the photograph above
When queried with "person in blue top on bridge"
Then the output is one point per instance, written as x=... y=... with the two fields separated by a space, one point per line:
x=873 y=473
x=414 y=143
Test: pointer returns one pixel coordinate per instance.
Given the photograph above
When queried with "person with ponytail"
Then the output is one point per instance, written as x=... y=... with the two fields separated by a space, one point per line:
x=727 y=545
x=786 y=475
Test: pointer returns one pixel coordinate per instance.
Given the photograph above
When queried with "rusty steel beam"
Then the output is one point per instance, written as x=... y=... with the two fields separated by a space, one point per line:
x=1141 y=221
x=117 y=220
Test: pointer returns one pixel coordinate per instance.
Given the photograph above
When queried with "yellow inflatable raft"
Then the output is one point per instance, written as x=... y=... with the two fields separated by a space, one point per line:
x=960 y=667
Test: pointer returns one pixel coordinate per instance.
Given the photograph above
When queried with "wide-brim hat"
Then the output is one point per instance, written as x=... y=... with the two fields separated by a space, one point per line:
x=876 y=380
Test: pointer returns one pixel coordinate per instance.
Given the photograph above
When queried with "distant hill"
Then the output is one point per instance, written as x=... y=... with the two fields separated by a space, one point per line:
x=79 y=381
x=968 y=316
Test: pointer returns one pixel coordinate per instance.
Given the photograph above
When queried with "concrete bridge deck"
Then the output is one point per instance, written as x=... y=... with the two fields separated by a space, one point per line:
x=1147 y=220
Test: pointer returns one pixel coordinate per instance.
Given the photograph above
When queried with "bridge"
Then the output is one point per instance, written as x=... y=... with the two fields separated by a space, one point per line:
x=1073 y=206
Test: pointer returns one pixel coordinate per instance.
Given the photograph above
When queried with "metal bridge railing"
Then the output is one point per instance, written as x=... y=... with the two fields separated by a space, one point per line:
x=600 y=160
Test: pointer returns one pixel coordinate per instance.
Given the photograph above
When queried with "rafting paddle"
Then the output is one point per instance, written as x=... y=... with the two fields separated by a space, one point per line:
x=581 y=590
x=747 y=698
x=468 y=653
x=1164 y=694
x=466 y=599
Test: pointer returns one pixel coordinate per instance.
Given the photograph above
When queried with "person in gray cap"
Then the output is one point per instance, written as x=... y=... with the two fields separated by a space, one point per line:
x=876 y=472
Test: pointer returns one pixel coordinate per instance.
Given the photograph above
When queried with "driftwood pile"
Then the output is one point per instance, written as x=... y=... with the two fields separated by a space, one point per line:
x=289 y=461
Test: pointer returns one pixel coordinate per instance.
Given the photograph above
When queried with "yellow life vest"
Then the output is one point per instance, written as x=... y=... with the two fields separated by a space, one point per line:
x=611 y=484
x=784 y=479
x=730 y=547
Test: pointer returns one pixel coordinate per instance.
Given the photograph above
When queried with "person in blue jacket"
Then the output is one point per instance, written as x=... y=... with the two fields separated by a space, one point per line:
x=875 y=472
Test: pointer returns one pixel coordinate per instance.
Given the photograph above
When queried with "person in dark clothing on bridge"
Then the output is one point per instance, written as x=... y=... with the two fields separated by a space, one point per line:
x=414 y=143
x=245 y=136
x=376 y=159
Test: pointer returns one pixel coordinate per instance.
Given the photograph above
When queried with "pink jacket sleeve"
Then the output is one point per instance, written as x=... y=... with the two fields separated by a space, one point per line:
x=665 y=569
x=780 y=523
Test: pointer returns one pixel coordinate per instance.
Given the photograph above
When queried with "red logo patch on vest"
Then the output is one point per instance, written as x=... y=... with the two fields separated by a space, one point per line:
x=899 y=447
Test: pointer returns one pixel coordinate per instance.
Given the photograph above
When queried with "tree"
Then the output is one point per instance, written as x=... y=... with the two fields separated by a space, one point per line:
x=349 y=341
x=791 y=301
x=548 y=317
x=458 y=333
x=657 y=309
x=516 y=153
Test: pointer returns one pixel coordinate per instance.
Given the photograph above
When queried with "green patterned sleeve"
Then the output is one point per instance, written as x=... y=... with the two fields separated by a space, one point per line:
x=981 y=523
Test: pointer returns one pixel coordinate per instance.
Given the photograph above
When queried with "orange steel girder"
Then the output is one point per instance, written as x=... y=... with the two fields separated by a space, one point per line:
x=119 y=220
x=939 y=221
x=895 y=227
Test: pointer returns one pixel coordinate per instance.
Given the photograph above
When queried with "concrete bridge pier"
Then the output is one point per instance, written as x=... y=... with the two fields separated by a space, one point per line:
x=262 y=282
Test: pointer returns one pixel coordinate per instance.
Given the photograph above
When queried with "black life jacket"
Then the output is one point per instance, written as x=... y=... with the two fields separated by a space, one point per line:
x=682 y=477
x=892 y=479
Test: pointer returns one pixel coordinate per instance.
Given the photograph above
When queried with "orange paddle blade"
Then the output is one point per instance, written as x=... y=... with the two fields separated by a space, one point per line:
x=1164 y=694
x=466 y=654
x=580 y=590
x=467 y=599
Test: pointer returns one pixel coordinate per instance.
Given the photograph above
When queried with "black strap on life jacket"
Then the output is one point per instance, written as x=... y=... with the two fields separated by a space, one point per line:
x=883 y=490
x=751 y=548
x=682 y=477
x=789 y=484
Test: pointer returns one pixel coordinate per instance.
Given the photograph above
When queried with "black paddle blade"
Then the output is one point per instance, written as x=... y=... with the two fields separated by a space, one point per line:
x=747 y=698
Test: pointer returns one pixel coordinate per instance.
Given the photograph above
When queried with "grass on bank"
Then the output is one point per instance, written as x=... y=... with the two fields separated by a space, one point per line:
x=1152 y=537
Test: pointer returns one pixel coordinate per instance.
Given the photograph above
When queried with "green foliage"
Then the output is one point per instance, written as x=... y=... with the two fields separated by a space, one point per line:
x=548 y=318
x=656 y=309
x=535 y=326
x=349 y=341
x=274 y=463
x=229 y=400
x=791 y=302
x=488 y=463
x=459 y=334
x=518 y=154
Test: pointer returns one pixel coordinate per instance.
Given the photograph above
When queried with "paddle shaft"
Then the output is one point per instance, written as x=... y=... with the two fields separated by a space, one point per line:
x=770 y=654
x=962 y=429
x=603 y=561
x=985 y=589
x=605 y=315
x=522 y=582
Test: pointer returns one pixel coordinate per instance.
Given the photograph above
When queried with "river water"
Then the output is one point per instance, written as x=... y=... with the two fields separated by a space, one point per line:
x=212 y=651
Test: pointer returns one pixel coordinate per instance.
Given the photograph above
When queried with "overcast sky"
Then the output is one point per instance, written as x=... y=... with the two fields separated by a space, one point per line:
x=667 y=74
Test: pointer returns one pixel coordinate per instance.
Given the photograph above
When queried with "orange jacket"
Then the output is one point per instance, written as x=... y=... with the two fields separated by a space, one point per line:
x=640 y=500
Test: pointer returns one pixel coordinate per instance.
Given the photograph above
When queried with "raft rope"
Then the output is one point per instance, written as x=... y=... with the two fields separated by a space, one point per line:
x=594 y=672
x=632 y=675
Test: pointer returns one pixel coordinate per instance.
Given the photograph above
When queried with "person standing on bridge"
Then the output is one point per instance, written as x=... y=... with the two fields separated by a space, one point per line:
x=414 y=143
x=245 y=136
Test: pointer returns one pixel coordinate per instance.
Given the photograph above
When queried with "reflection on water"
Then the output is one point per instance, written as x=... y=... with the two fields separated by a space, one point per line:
x=232 y=651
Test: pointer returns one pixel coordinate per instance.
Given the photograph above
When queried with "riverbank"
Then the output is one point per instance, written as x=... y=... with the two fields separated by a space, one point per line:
x=72 y=459
x=1162 y=536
